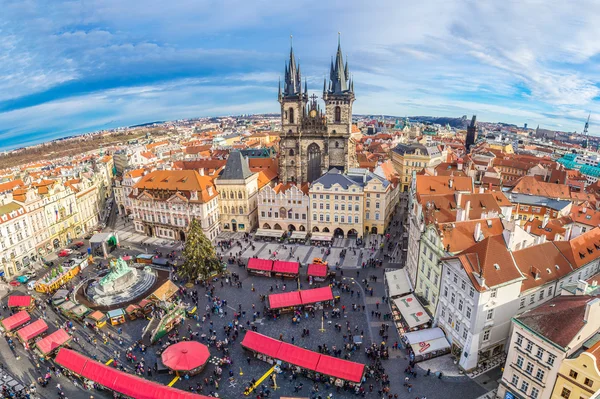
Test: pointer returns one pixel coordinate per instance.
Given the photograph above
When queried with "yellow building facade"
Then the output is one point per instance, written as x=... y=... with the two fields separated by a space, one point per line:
x=579 y=377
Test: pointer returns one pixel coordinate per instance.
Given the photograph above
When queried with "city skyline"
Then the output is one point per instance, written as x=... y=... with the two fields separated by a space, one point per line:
x=70 y=69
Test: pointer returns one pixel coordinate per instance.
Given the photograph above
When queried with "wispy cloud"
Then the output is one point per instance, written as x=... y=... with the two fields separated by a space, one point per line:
x=71 y=66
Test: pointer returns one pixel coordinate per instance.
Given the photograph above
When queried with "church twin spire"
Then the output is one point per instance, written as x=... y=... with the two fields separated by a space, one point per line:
x=293 y=78
x=339 y=77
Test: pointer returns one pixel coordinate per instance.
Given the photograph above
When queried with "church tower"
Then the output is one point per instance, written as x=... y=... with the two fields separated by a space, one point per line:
x=471 y=134
x=313 y=142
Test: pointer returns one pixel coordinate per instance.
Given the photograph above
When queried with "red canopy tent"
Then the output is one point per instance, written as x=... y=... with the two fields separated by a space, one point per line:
x=32 y=330
x=261 y=343
x=20 y=301
x=316 y=295
x=53 y=341
x=340 y=368
x=281 y=266
x=298 y=356
x=317 y=270
x=186 y=356
x=284 y=300
x=16 y=320
x=119 y=381
x=260 y=264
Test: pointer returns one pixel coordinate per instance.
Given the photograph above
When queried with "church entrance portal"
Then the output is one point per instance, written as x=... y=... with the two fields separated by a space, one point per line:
x=314 y=162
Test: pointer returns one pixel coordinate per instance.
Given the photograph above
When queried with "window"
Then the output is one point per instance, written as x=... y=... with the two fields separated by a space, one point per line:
x=529 y=368
x=460 y=305
x=522 y=303
x=490 y=314
x=446 y=292
x=534 y=393
x=462 y=285
x=551 y=359
x=589 y=382
x=540 y=375
x=524 y=386
x=519 y=340
x=515 y=380
x=565 y=393
x=529 y=346
x=453 y=298
x=573 y=374
x=337 y=116
x=465 y=334
x=520 y=362
x=494 y=293
x=486 y=335
x=468 y=312
x=531 y=299
x=457 y=326
x=443 y=312
x=455 y=279
x=472 y=292
x=541 y=296
x=540 y=353
x=550 y=289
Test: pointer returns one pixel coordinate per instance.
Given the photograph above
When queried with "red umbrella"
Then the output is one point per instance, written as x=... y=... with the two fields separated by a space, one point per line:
x=185 y=356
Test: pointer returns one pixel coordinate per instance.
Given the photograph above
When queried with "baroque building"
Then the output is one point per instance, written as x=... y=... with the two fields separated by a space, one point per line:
x=313 y=142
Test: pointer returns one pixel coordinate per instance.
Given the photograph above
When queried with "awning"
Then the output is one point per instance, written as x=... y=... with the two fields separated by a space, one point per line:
x=16 y=320
x=118 y=381
x=115 y=313
x=398 y=283
x=299 y=235
x=132 y=308
x=185 y=356
x=425 y=347
x=298 y=356
x=317 y=270
x=412 y=312
x=269 y=233
x=316 y=295
x=281 y=266
x=166 y=291
x=284 y=300
x=427 y=334
x=53 y=341
x=260 y=264
x=340 y=368
x=321 y=236
x=261 y=344
x=32 y=330
x=19 y=301
x=97 y=316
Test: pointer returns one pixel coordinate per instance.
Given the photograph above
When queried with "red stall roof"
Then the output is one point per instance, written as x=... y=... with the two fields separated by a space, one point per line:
x=281 y=266
x=260 y=264
x=284 y=300
x=261 y=343
x=21 y=301
x=53 y=341
x=119 y=381
x=14 y=321
x=32 y=330
x=316 y=295
x=298 y=356
x=317 y=270
x=340 y=368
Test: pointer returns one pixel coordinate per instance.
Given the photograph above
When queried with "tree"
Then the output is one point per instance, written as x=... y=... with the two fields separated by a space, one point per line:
x=200 y=257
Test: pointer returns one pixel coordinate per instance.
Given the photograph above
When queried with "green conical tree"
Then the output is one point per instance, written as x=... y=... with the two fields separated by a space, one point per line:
x=200 y=257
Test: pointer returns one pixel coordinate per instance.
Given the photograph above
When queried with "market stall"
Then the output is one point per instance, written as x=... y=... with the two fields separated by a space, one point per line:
x=52 y=343
x=66 y=307
x=397 y=283
x=96 y=319
x=134 y=311
x=15 y=321
x=21 y=302
x=260 y=267
x=144 y=258
x=285 y=269
x=340 y=368
x=323 y=295
x=426 y=344
x=79 y=312
x=116 y=316
x=59 y=297
x=409 y=315
x=146 y=306
x=285 y=301
x=30 y=331
x=165 y=292
x=188 y=357
x=58 y=276
x=317 y=272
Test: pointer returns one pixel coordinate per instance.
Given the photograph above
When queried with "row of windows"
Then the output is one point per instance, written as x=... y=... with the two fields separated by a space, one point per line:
x=336 y=219
x=336 y=206
x=524 y=387
x=538 y=352
x=289 y=215
x=339 y=197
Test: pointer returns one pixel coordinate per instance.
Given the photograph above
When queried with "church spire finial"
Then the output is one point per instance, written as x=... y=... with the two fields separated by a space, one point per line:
x=293 y=81
x=339 y=74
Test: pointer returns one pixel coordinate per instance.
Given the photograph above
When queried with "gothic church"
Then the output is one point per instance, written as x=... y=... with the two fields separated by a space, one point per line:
x=312 y=142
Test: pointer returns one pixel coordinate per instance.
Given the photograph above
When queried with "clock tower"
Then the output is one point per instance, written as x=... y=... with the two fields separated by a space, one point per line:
x=312 y=141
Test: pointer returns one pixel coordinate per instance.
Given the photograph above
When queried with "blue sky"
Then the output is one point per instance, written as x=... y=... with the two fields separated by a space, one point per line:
x=69 y=67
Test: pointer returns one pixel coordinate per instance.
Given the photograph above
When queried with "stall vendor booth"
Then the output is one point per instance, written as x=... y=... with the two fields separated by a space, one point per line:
x=15 y=321
x=134 y=311
x=96 y=319
x=21 y=302
x=317 y=272
x=409 y=315
x=79 y=312
x=186 y=357
x=341 y=370
x=146 y=306
x=116 y=316
x=58 y=276
x=426 y=344
x=260 y=267
x=284 y=302
x=165 y=292
x=28 y=333
x=59 y=297
x=286 y=269
x=319 y=297
x=144 y=258
x=66 y=307
x=52 y=343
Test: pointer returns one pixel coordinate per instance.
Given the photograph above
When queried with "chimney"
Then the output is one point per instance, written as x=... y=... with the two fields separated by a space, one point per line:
x=467 y=210
x=481 y=190
x=450 y=182
x=477 y=232
x=581 y=287
x=545 y=222
x=201 y=171
x=588 y=308
x=458 y=197
x=528 y=228
x=459 y=164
